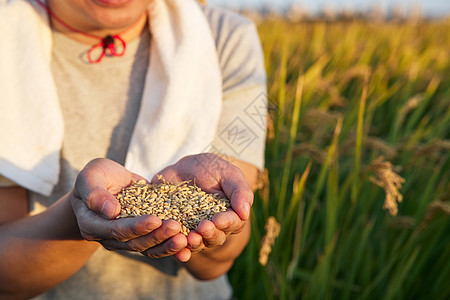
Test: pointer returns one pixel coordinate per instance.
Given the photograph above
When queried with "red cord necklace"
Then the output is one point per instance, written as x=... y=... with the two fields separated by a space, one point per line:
x=107 y=43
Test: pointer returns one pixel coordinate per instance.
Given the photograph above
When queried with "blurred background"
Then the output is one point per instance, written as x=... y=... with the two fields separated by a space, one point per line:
x=355 y=199
x=430 y=8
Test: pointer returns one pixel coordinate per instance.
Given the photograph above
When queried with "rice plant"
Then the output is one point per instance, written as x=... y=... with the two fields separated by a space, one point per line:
x=358 y=160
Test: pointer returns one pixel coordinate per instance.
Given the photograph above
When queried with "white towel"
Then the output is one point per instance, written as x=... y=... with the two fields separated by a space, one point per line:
x=180 y=107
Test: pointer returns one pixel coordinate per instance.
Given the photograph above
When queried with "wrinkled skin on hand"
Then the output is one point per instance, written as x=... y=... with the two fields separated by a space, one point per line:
x=96 y=208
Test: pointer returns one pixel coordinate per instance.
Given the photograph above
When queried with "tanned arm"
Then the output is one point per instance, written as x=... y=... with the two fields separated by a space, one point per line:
x=37 y=252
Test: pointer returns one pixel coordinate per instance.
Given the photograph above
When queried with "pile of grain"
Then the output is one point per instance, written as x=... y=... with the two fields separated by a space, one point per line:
x=184 y=203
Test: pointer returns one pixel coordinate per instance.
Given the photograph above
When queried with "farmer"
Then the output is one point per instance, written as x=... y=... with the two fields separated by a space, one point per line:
x=144 y=86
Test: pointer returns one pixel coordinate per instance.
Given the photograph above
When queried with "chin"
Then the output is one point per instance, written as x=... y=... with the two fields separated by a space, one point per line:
x=116 y=14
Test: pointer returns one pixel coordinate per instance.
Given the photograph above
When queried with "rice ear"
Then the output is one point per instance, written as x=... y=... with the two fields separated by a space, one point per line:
x=390 y=181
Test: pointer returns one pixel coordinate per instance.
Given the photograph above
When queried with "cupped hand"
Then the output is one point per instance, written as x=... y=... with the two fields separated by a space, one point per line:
x=96 y=209
x=213 y=174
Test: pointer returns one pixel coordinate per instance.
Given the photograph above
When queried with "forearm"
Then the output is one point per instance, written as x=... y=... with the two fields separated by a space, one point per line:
x=39 y=252
x=214 y=262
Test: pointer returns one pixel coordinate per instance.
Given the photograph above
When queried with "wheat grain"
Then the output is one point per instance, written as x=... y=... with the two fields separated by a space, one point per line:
x=182 y=202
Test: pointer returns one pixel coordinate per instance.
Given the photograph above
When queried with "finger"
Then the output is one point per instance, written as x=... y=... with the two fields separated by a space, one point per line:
x=195 y=242
x=228 y=222
x=168 y=229
x=184 y=255
x=170 y=247
x=104 y=173
x=158 y=236
x=212 y=237
x=237 y=190
x=102 y=202
x=95 y=227
x=98 y=181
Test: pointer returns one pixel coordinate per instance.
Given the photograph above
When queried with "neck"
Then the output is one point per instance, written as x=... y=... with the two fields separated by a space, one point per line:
x=127 y=33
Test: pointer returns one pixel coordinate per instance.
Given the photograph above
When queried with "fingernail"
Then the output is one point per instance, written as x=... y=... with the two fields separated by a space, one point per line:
x=168 y=232
x=247 y=210
x=150 y=226
x=108 y=210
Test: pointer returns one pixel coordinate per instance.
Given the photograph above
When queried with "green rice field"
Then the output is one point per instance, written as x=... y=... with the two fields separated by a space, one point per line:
x=358 y=161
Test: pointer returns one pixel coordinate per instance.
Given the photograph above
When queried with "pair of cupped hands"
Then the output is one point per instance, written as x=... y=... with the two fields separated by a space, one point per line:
x=96 y=208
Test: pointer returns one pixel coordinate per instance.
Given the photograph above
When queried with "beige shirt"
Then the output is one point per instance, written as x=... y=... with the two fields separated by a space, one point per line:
x=100 y=103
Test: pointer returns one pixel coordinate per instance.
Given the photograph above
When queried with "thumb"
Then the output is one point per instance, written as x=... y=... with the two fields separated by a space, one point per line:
x=91 y=186
x=237 y=190
x=102 y=202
